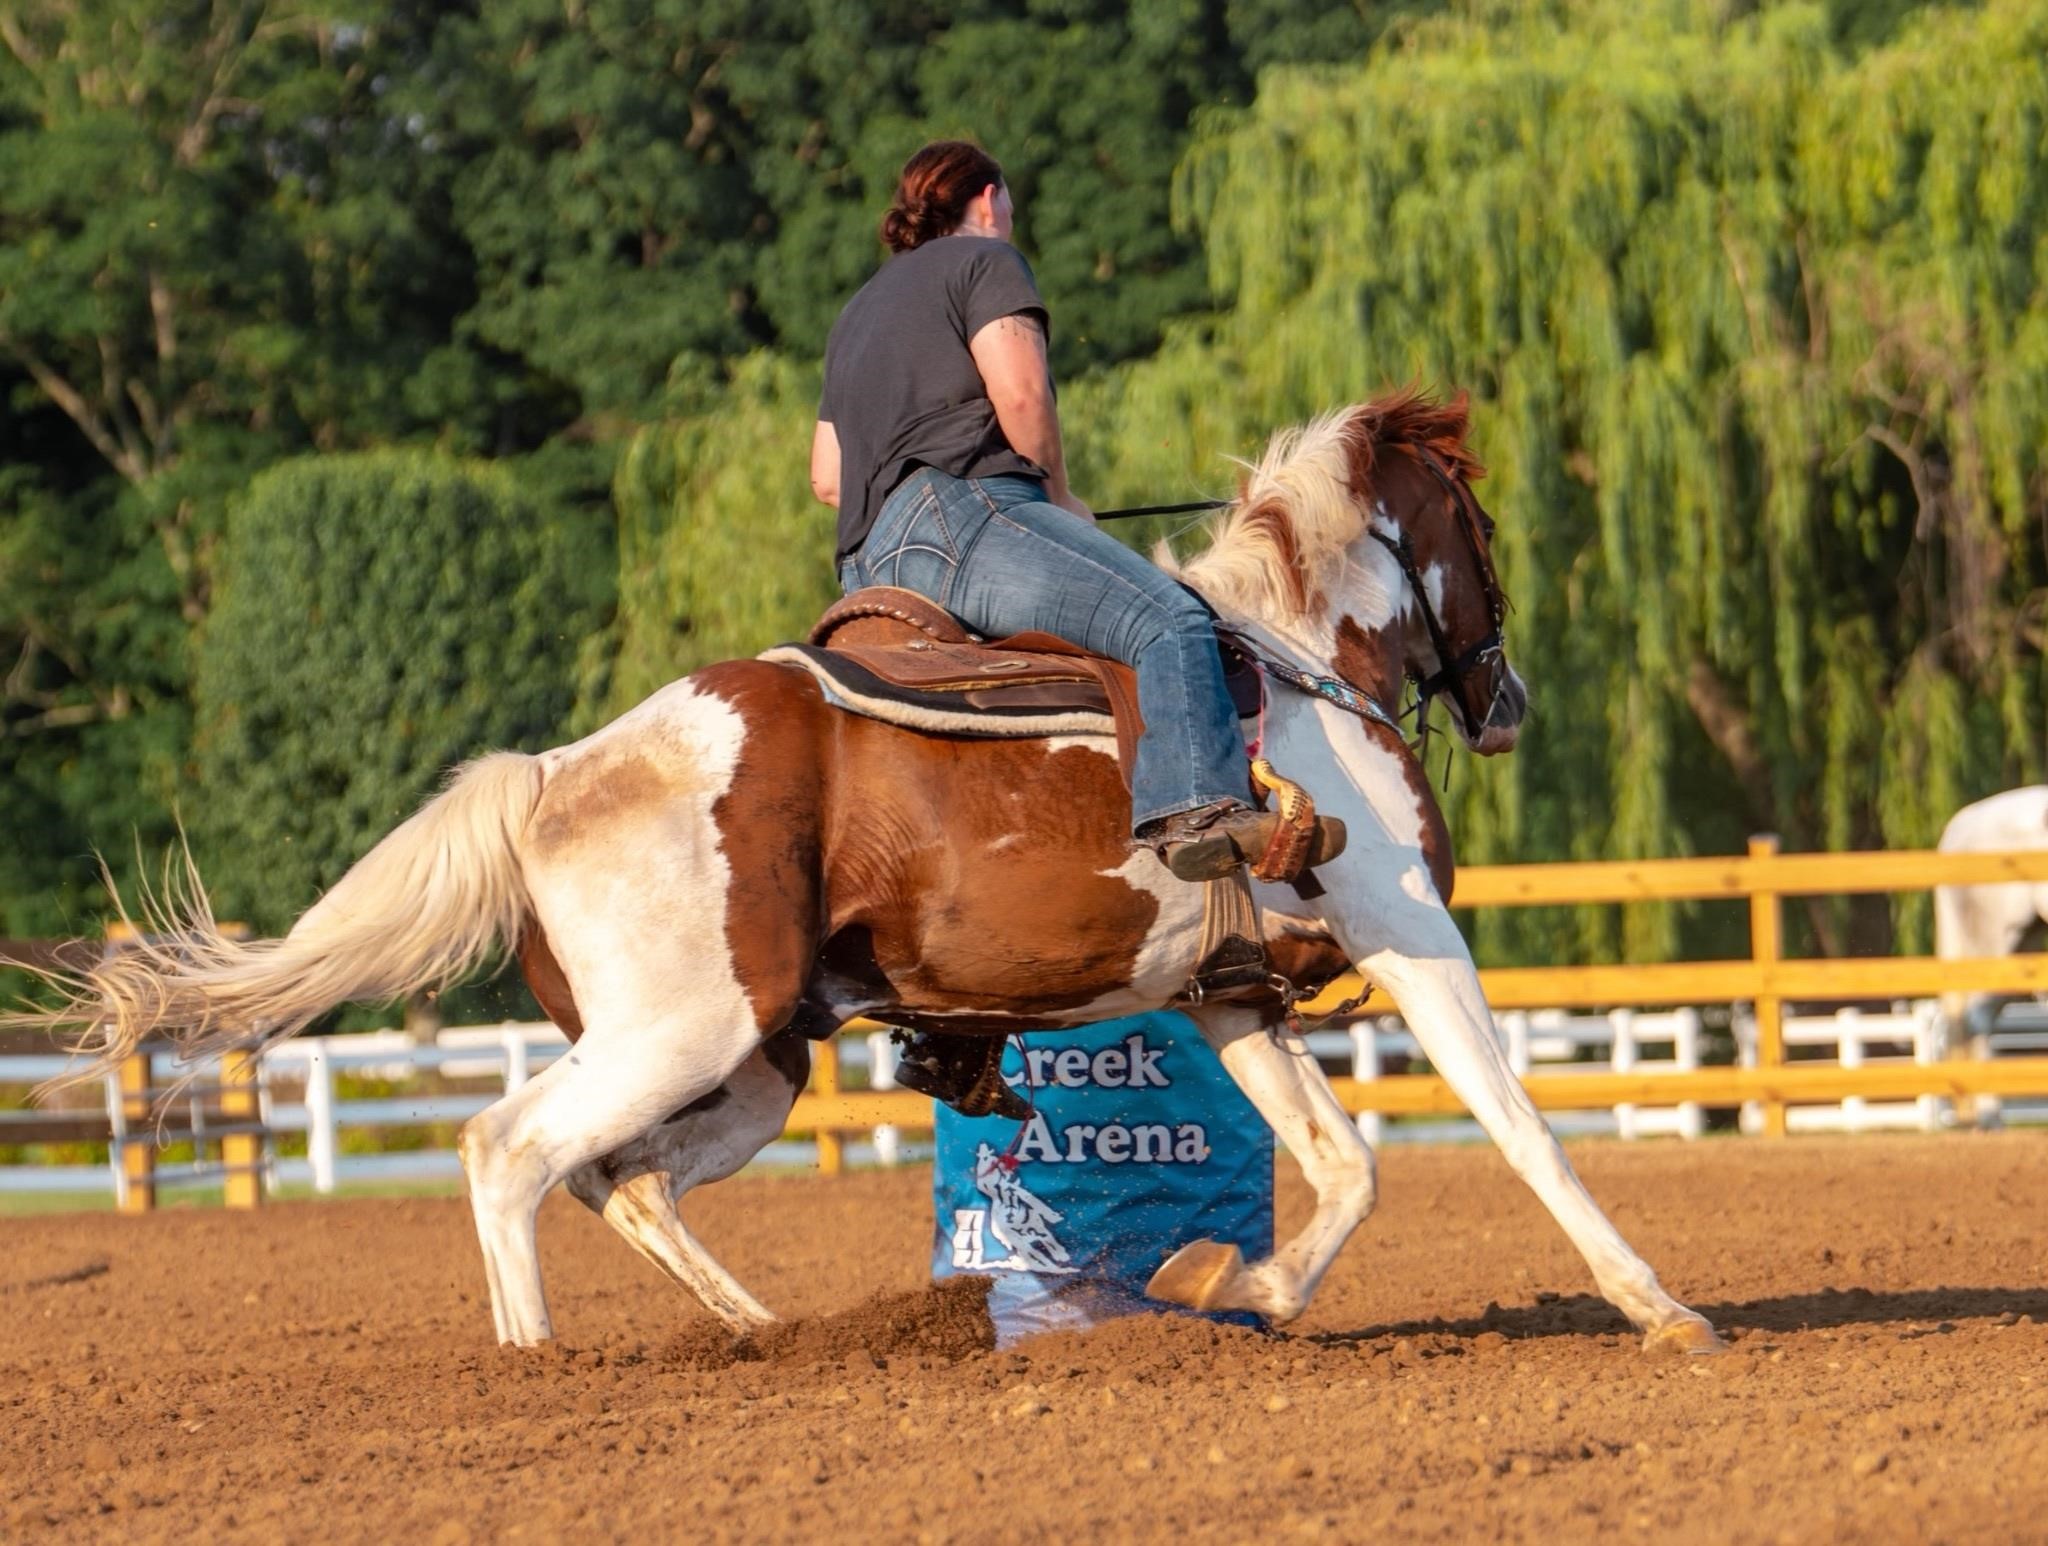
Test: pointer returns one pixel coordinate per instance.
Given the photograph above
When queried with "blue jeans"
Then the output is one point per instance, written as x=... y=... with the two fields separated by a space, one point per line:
x=997 y=556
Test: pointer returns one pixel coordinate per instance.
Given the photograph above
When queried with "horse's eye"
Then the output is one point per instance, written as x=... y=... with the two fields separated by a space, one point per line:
x=1486 y=527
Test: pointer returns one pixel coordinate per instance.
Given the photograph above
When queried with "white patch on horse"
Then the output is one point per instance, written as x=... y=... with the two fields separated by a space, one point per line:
x=1101 y=745
x=1167 y=953
x=662 y=1026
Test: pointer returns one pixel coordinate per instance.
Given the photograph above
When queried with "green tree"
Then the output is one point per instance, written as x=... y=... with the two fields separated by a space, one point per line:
x=639 y=180
x=215 y=250
x=381 y=617
x=1757 y=321
x=723 y=550
x=1759 y=331
x=237 y=231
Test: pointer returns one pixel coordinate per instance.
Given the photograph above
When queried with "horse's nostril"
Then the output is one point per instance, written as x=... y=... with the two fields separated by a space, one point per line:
x=1510 y=704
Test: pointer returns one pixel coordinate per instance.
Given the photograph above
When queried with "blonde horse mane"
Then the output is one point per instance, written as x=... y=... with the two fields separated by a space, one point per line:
x=1280 y=548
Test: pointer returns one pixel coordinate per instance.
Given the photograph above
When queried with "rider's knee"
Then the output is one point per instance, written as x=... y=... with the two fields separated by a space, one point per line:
x=1188 y=613
x=1176 y=614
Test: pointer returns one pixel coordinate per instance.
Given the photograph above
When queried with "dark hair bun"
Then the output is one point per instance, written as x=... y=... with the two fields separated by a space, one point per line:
x=934 y=191
x=913 y=224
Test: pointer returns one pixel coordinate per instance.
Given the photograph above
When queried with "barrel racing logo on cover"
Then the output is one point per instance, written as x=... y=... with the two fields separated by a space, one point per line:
x=1140 y=1142
x=1021 y=1224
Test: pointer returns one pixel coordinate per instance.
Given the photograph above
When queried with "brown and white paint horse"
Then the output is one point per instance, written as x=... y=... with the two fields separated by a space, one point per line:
x=734 y=865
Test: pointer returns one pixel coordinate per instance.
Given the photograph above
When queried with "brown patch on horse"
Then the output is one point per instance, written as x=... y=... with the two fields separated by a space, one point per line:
x=1306 y=958
x=1364 y=660
x=596 y=791
x=769 y=829
x=545 y=977
x=1367 y=662
x=976 y=867
x=1436 y=833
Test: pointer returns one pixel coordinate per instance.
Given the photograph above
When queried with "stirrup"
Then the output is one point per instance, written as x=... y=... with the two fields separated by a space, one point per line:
x=964 y=1072
x=1236 y=964
x=1288 y=854
x=1280 y=845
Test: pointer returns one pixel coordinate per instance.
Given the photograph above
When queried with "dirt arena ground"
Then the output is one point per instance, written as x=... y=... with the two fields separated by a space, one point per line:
x=325 y=1371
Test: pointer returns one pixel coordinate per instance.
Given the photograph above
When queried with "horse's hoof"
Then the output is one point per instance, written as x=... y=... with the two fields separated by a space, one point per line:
x=1691 y=1338
x=1199 y=1275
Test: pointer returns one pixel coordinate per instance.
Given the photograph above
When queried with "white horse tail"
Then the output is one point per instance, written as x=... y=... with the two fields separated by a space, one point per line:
x=427 y=906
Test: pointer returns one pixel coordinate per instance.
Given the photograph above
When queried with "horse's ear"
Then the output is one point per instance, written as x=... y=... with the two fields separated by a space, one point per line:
x=1447 y=439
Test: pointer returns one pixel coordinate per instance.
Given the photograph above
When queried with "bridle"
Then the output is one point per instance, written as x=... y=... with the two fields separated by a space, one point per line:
x=1452 y=670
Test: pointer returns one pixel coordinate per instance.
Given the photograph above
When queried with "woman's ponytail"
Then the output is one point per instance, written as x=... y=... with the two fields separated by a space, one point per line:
x=937 y=185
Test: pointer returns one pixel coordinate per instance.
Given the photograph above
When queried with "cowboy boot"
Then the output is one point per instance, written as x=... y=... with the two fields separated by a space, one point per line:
x=1208 y=843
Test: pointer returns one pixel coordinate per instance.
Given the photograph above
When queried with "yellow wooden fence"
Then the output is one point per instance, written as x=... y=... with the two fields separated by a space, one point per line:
x=1765 y=979
x=149 y=1116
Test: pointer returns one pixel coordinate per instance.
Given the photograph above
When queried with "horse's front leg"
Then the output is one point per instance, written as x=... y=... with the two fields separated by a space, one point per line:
x=1431 y=977
x=1280 y=1078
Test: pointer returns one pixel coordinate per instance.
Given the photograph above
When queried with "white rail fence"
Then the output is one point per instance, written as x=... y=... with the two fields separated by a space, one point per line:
x=1906 y=1034
x=1620 y=1041
x=298 y=1090
x=507 y=1055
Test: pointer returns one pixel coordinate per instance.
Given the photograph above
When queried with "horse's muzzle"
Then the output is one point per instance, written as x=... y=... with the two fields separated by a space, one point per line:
x=1503 y=725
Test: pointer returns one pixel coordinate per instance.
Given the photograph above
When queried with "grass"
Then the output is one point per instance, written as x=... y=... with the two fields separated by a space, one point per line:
x=29 y=1204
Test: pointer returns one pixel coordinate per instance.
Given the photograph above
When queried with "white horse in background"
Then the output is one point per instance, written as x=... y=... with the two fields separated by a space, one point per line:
x=1989 y=920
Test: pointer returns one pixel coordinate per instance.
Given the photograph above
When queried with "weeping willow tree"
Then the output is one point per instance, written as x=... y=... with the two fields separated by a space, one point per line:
x=1759 y=337
x=723 y=551
x=1757 y=330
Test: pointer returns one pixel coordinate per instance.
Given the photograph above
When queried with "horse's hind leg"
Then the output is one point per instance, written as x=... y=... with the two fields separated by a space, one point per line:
x=636 y=1188
x=608 y=1090
x=1280 y=1078
x=678 y=960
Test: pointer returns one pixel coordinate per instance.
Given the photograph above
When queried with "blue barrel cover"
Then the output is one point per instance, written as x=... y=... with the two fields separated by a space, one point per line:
x=1141 y=1143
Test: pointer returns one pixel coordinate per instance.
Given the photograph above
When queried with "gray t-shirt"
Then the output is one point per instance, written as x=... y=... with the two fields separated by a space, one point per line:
x=901 y=386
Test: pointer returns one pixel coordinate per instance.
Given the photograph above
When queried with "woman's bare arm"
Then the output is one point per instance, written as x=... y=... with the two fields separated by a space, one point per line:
x=1010 y=354
x=825 y=463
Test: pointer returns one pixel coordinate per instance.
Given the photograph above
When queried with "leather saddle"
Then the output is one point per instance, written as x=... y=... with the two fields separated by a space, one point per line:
x=898 y=656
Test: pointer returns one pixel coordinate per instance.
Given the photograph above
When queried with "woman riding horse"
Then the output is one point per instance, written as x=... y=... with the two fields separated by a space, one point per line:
x=938 y=441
